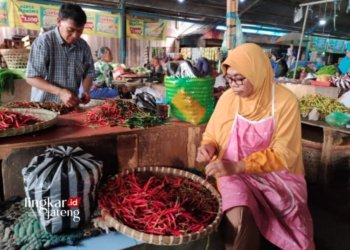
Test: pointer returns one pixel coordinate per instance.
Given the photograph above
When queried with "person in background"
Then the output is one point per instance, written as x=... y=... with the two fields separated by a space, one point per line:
x=178 y=57
x=103 y=82
x=279 y=65
x=252 y=145
x=157 y=71
x=60 y=61
x=203 y=66
x=344 y=65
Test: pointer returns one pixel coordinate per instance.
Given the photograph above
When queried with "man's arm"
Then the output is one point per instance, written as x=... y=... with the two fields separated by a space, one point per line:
x=88 y=76
x=87 y=83
x=68 y=97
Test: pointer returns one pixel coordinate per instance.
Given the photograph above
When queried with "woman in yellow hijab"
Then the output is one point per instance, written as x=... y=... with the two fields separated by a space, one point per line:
x=252 y=144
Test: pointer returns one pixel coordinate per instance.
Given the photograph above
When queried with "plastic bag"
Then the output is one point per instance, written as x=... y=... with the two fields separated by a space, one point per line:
x=314 y=115
x=190 y=99
x=338 y=119
x=60 y=187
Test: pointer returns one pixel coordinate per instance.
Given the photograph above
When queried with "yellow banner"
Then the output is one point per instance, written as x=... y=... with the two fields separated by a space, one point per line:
x=107 y=25
x=4 y=10
x=27 y=15
x=34 y=16
x=148 y=29
x=89 y=28
x=48 y=16
x=155 y=30
x=134 y=27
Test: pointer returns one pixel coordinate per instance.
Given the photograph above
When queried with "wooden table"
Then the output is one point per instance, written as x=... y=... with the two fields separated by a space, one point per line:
x=173 y=144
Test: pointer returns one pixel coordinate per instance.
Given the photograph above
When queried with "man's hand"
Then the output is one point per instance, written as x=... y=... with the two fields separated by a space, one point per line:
x=85 y=97
x=68 y=98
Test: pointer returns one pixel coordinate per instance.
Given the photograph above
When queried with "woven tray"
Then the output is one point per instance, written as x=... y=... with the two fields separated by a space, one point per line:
x=93 y=103
x=161 y=239
x=47 y=117
x=15 y=58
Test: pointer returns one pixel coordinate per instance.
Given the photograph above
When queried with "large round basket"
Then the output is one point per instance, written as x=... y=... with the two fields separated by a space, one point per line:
x=15 y=58
x=162 y=239
x=48 y=119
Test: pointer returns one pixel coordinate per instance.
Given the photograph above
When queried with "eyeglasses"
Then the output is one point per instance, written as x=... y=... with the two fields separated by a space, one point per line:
x=230 y=79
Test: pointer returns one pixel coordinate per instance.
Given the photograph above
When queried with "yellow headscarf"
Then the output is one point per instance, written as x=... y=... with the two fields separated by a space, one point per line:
x=285 y=149
x=252 y=62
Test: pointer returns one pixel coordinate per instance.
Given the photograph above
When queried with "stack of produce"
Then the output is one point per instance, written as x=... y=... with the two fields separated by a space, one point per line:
x=121 y=113
x=323 y=104
x=10 y=119
x=52 y=106
x=159 y=204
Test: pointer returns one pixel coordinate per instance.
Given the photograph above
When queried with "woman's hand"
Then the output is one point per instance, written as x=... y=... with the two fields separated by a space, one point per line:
x=205 y=153
x=220 y=168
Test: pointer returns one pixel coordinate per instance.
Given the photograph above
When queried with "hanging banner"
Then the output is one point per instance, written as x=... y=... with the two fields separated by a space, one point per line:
x=4 y=10
x=33 y=16
x=107 y=25
x=27 y=15
x=48 y=16
x=89 y=28
x=155 y=30
x=318 y=44
x=134 y=28
x=335 y=46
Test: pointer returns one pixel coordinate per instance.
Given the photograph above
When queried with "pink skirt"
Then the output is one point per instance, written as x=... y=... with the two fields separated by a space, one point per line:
x=278 y=202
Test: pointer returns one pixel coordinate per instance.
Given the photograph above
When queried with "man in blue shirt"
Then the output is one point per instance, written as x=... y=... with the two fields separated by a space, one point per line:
x=60 y=61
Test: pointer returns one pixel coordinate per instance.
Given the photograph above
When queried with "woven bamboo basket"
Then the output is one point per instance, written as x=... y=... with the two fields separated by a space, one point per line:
x=312 y=159
x=15 y=58
x=162 y=239
x=48 y=119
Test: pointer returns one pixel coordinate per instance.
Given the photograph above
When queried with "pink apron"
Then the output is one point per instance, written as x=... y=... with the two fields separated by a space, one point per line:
x=277 y=200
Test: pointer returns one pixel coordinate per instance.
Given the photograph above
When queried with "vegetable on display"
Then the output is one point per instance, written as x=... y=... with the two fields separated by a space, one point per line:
x=323 y=104
x=9 y=119
x=159 y=204
x=121 y=113
x=7 y=80
x=52 y=106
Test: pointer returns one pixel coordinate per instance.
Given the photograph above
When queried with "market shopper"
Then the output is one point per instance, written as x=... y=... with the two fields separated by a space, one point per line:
x=344 y=65
x=252 y=144
x=157 y=70
x=60 y=61
x=203 y=66
x=103 y=83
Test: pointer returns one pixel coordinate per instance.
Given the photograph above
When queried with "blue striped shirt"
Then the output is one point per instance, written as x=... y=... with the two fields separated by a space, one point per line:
x=62 y=65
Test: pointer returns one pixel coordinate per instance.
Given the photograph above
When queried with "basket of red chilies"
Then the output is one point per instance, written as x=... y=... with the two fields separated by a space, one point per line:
x=161 y=205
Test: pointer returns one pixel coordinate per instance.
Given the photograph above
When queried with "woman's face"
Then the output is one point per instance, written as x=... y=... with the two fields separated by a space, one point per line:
x=238 y=83
x=107 y=56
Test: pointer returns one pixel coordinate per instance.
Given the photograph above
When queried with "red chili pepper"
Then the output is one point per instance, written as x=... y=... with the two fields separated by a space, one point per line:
x=165 y=205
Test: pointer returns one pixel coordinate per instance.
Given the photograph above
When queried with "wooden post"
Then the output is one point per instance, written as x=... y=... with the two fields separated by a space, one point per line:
x=326 y=155
x=231 y=15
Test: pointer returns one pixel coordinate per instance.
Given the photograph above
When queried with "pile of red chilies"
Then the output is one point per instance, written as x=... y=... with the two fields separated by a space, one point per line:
x=161 y=205
x=111 y=113
x=9 y=119
x=52 y=106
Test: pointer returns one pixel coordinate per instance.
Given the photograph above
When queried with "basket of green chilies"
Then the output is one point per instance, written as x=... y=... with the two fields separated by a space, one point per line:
x=161 y=205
